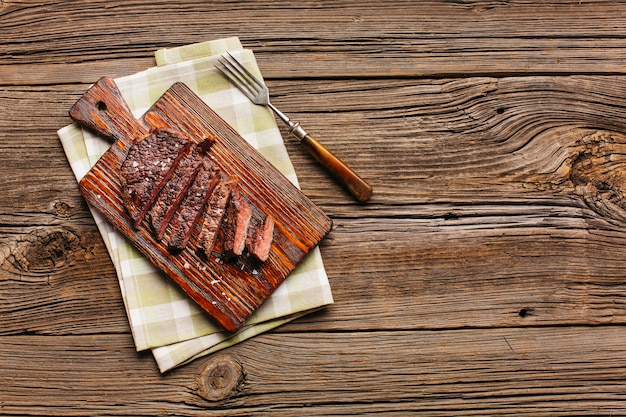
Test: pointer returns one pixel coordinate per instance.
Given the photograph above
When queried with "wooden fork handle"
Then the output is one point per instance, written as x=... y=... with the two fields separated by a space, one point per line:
x=361 y=190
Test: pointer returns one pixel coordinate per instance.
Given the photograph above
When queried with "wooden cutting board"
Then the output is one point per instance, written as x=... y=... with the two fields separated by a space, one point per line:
x=229 y=291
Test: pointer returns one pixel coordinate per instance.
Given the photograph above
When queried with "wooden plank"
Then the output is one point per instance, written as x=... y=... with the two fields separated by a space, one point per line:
x=517 y=371
x=400 y=39
x=460 y=141
x=486 y=271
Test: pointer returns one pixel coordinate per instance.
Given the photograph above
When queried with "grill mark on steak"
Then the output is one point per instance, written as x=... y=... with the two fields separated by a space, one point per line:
x=260 y=241
x=174 y=190
x=214 y=214
x=238 y=215
x=191 y=208
x=147 y=167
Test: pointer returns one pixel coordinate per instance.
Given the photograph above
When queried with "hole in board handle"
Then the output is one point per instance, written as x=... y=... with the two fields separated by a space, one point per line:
x=101 y=106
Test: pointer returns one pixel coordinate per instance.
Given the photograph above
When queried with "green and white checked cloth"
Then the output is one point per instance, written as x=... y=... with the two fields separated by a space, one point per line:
x=162 y=318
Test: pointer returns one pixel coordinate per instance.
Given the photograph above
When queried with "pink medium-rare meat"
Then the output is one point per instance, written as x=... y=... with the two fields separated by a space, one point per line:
x=148 y=165
x=174 y=190
x=238 y=215
x=192 y=206
x=214 y=214
x=261 y=240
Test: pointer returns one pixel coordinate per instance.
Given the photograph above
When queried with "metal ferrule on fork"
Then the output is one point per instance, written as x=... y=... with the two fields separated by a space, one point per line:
x=294 y=127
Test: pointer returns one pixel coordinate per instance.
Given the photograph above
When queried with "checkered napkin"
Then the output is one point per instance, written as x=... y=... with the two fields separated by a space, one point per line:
x=162 y=318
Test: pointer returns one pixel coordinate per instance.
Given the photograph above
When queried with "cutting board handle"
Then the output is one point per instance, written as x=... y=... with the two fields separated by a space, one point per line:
x=103 y=110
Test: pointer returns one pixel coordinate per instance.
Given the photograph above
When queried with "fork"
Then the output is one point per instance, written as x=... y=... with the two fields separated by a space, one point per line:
x=258 y=93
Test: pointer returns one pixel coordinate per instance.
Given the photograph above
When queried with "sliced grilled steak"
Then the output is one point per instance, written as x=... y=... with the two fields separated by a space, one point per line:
x=148 y=165
x=192 y=206
x=238 y=215
x=174 y=190
x=261 y=239
x=214 y=214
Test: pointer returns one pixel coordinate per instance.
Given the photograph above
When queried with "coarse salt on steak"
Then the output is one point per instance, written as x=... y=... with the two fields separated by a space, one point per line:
x=147 y=167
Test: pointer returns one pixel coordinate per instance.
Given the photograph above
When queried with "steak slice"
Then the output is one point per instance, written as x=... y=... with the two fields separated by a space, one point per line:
x=261 y=239
x=192 y=206
x=214 y=214
x=238 y=215
x=174 y=190
x=148 y=164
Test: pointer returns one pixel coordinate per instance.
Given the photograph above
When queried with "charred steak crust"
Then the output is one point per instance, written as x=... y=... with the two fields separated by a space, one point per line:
x=171 y=182
x=192 y=206
x=148 y=165
x=174 y=191
x=205 y=143
x=214 y=214
x=238 y=215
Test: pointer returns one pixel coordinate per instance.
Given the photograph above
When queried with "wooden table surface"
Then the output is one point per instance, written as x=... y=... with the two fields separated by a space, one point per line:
x=487 y=275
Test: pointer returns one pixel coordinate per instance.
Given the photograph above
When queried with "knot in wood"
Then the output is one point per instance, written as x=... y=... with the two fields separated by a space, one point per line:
x=62 y=209
x=42 y=251
x=220 y=378
x=598 y=174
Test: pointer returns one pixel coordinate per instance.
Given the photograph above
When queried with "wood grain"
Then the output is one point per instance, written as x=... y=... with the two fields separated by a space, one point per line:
x=532 y=371
x=344 y=38
x=485 y=276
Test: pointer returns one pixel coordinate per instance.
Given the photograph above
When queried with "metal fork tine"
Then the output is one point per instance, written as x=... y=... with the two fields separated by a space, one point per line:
x=244 y=71
x=236 y=79
x=241 y=86
x=240 y=77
